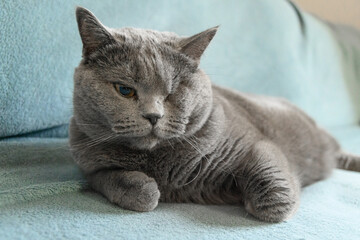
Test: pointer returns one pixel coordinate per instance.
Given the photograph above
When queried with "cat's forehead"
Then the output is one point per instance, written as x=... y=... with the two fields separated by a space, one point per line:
x=138 y=36
x=150 y=67
x=147 y=57
x=137 y=45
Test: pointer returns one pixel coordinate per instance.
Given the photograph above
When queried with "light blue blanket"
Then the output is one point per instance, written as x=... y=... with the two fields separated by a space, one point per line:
x=329 y=210
x=43 y=196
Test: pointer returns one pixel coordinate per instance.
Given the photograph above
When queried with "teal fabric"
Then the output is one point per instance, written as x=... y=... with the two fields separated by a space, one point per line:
x=44 y=196
x=263 y=46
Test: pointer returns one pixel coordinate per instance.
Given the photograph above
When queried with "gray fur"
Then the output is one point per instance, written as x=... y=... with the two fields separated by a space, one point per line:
x=211 y=145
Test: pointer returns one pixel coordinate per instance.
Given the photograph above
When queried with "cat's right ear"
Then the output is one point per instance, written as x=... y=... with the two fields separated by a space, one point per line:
x=195 y=46
x=93 y=34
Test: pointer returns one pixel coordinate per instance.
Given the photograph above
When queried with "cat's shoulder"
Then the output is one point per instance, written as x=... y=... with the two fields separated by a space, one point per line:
x=251 y=98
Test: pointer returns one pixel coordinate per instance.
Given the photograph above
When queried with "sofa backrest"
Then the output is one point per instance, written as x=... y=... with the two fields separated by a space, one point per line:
x=263 y=46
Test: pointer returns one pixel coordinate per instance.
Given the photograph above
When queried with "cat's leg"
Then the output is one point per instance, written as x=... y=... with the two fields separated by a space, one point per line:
x=271 y=192
x=129 y=189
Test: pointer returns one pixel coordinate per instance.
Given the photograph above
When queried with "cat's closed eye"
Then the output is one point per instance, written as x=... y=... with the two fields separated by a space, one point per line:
x=125 y=91
x=167 y=97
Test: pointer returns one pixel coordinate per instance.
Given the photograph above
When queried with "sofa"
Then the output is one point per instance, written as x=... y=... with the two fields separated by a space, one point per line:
x=268 y=47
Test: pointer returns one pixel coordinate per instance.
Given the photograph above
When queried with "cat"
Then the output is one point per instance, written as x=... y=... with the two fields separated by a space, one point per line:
x=149 y=126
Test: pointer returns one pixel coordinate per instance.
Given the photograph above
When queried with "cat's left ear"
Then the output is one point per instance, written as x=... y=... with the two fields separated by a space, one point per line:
x=195 y=46
x=93 y=34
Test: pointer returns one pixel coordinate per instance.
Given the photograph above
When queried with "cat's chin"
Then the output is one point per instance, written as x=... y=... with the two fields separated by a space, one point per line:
x=144 y=143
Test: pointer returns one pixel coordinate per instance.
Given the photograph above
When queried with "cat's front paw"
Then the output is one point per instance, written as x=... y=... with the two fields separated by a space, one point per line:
x=276 y=205
x=140 y=192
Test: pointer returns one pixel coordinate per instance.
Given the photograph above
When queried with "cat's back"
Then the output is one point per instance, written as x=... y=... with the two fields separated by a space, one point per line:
x=260 y=110
x=275 y=119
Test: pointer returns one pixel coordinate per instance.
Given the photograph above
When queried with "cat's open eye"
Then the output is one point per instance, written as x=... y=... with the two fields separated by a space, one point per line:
x=125 y=91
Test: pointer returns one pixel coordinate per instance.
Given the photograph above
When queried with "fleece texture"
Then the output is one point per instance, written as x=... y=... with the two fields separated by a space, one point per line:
x=44 y=196
x=265 y=46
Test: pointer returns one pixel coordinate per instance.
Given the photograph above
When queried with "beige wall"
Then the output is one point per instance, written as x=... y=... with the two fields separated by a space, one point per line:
x=340 y=11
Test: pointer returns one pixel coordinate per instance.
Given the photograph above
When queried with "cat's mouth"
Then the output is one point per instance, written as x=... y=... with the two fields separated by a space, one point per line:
x=127 y=131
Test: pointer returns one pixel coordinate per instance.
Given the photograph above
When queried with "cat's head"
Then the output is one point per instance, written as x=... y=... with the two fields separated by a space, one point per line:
x=140 y=87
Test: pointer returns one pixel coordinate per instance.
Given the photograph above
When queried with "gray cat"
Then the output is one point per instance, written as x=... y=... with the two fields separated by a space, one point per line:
x=149 y=126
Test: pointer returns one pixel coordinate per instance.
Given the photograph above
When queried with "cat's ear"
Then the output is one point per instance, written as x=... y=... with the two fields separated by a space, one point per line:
x=195 y=46
x=93 y=34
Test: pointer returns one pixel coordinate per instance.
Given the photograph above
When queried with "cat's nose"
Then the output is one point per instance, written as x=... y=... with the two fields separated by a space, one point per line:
x=152 y=117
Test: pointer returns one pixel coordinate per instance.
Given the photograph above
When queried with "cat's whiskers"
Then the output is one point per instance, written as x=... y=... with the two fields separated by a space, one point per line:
x=87 y=139
x=83 y=145
x=202 y=155
x=101 y=141
x=88 y=124
x=79 y=144
x=198 y=173
x=195 y=139
x=179 y=140
x=170 y=144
